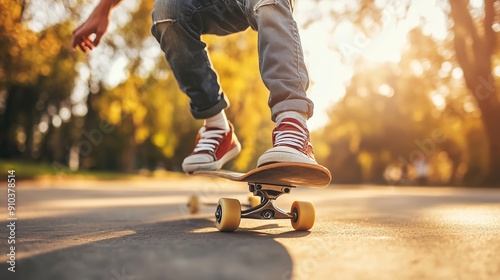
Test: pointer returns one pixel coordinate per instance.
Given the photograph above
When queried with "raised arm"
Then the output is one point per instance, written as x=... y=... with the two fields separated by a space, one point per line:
x=96 y=24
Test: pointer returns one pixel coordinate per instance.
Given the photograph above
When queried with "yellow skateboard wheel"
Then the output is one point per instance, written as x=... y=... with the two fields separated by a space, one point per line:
x=304 y=215
x=194 y=204
x=228 y=214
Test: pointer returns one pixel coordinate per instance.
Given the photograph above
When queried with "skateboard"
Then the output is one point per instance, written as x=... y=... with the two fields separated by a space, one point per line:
x=267 y=183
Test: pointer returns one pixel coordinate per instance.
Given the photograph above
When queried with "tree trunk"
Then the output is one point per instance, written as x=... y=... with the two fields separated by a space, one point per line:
x=7 y=146
x=129 y=154
x=474 y=52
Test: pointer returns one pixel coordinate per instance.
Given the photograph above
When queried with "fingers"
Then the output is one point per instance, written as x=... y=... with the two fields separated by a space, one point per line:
x=97 y=39
x=84 y=43
x=82 y=48
x=82 y=38
x=88 y=43
x=78 y=35
x=88 y=35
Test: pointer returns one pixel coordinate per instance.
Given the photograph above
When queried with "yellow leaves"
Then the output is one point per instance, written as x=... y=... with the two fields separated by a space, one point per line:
x=235 y=58
x=45 y=69
x=139 y=115
x=168 y=151
x=165 y=143
x=321 y=149
x=418 y=116
x=126 y=101
x=22 y=78
x=11 y=12
x=14 y=51
x=114 y=113
x=149 y=5
x=141 y=134
x=160 y=140
x=28 y=54
x=354 y=141
x=22 y=42
x=364 y=158
x=50 y=44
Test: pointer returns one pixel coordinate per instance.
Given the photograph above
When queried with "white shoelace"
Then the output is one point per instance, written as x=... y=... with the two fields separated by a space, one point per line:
x=291 y=137
x=209 y=140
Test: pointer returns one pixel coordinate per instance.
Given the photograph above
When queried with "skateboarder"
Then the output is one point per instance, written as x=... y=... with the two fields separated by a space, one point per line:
x=177 y=26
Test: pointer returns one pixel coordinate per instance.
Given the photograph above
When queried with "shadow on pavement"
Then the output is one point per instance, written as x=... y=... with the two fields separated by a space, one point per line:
x=179 y=249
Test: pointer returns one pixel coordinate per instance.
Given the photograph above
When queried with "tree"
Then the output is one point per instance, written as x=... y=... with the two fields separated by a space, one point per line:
x=475 y=45
x=36 y=80
x=471 y=45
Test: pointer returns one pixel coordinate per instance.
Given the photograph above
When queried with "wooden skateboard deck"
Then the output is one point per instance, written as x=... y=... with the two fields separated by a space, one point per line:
x=282 y=174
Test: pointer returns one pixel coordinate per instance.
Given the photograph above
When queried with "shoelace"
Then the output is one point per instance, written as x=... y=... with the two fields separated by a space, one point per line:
x=291 y=137
x=209 y=140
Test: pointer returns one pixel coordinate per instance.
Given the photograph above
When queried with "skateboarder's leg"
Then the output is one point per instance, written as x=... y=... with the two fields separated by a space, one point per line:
x=281 y=58
x=178 y=25
x=284 y=73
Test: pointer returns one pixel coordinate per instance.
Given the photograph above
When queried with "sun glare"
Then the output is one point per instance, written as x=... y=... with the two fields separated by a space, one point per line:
x=330 y=73
x=471 y=215
x=386 y=46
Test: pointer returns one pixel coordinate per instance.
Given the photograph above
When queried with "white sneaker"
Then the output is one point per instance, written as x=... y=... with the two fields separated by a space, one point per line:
x=290 y=144
x=214 y=148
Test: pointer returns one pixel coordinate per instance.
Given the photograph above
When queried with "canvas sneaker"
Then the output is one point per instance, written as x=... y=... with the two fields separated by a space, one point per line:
x=214 y=147
x=290 y=144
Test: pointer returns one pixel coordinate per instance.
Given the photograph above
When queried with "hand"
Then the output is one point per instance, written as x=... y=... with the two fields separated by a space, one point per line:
x=96 y=24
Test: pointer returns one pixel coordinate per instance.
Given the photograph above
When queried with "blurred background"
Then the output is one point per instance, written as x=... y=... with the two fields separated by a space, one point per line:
x=405 y=92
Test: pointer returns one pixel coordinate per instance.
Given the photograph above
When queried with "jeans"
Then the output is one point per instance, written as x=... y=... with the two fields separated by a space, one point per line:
x=178 y=25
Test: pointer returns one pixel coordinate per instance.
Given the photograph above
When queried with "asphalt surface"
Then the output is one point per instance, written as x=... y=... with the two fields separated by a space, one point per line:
x=142 y=230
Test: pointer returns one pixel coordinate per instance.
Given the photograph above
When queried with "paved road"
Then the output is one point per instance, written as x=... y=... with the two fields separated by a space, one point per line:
x=141 y=230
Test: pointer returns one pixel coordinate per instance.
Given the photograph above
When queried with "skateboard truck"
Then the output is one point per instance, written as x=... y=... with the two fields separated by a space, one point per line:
x=266 y=209
x=229 y=213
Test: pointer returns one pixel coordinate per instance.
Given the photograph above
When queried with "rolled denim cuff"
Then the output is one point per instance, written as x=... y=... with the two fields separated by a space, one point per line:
x=301 y=106
x=221 y=104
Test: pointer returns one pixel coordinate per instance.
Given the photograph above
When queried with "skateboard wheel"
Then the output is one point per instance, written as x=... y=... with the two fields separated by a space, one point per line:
x=253 y=200
x=193 y=204
x=304 y=215
x=228 y=214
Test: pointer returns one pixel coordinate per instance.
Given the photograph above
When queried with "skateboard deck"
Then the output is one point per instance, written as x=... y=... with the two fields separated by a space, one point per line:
x=281 y=174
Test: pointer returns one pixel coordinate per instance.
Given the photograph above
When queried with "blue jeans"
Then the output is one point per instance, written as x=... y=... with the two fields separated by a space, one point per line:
x=178 y=25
